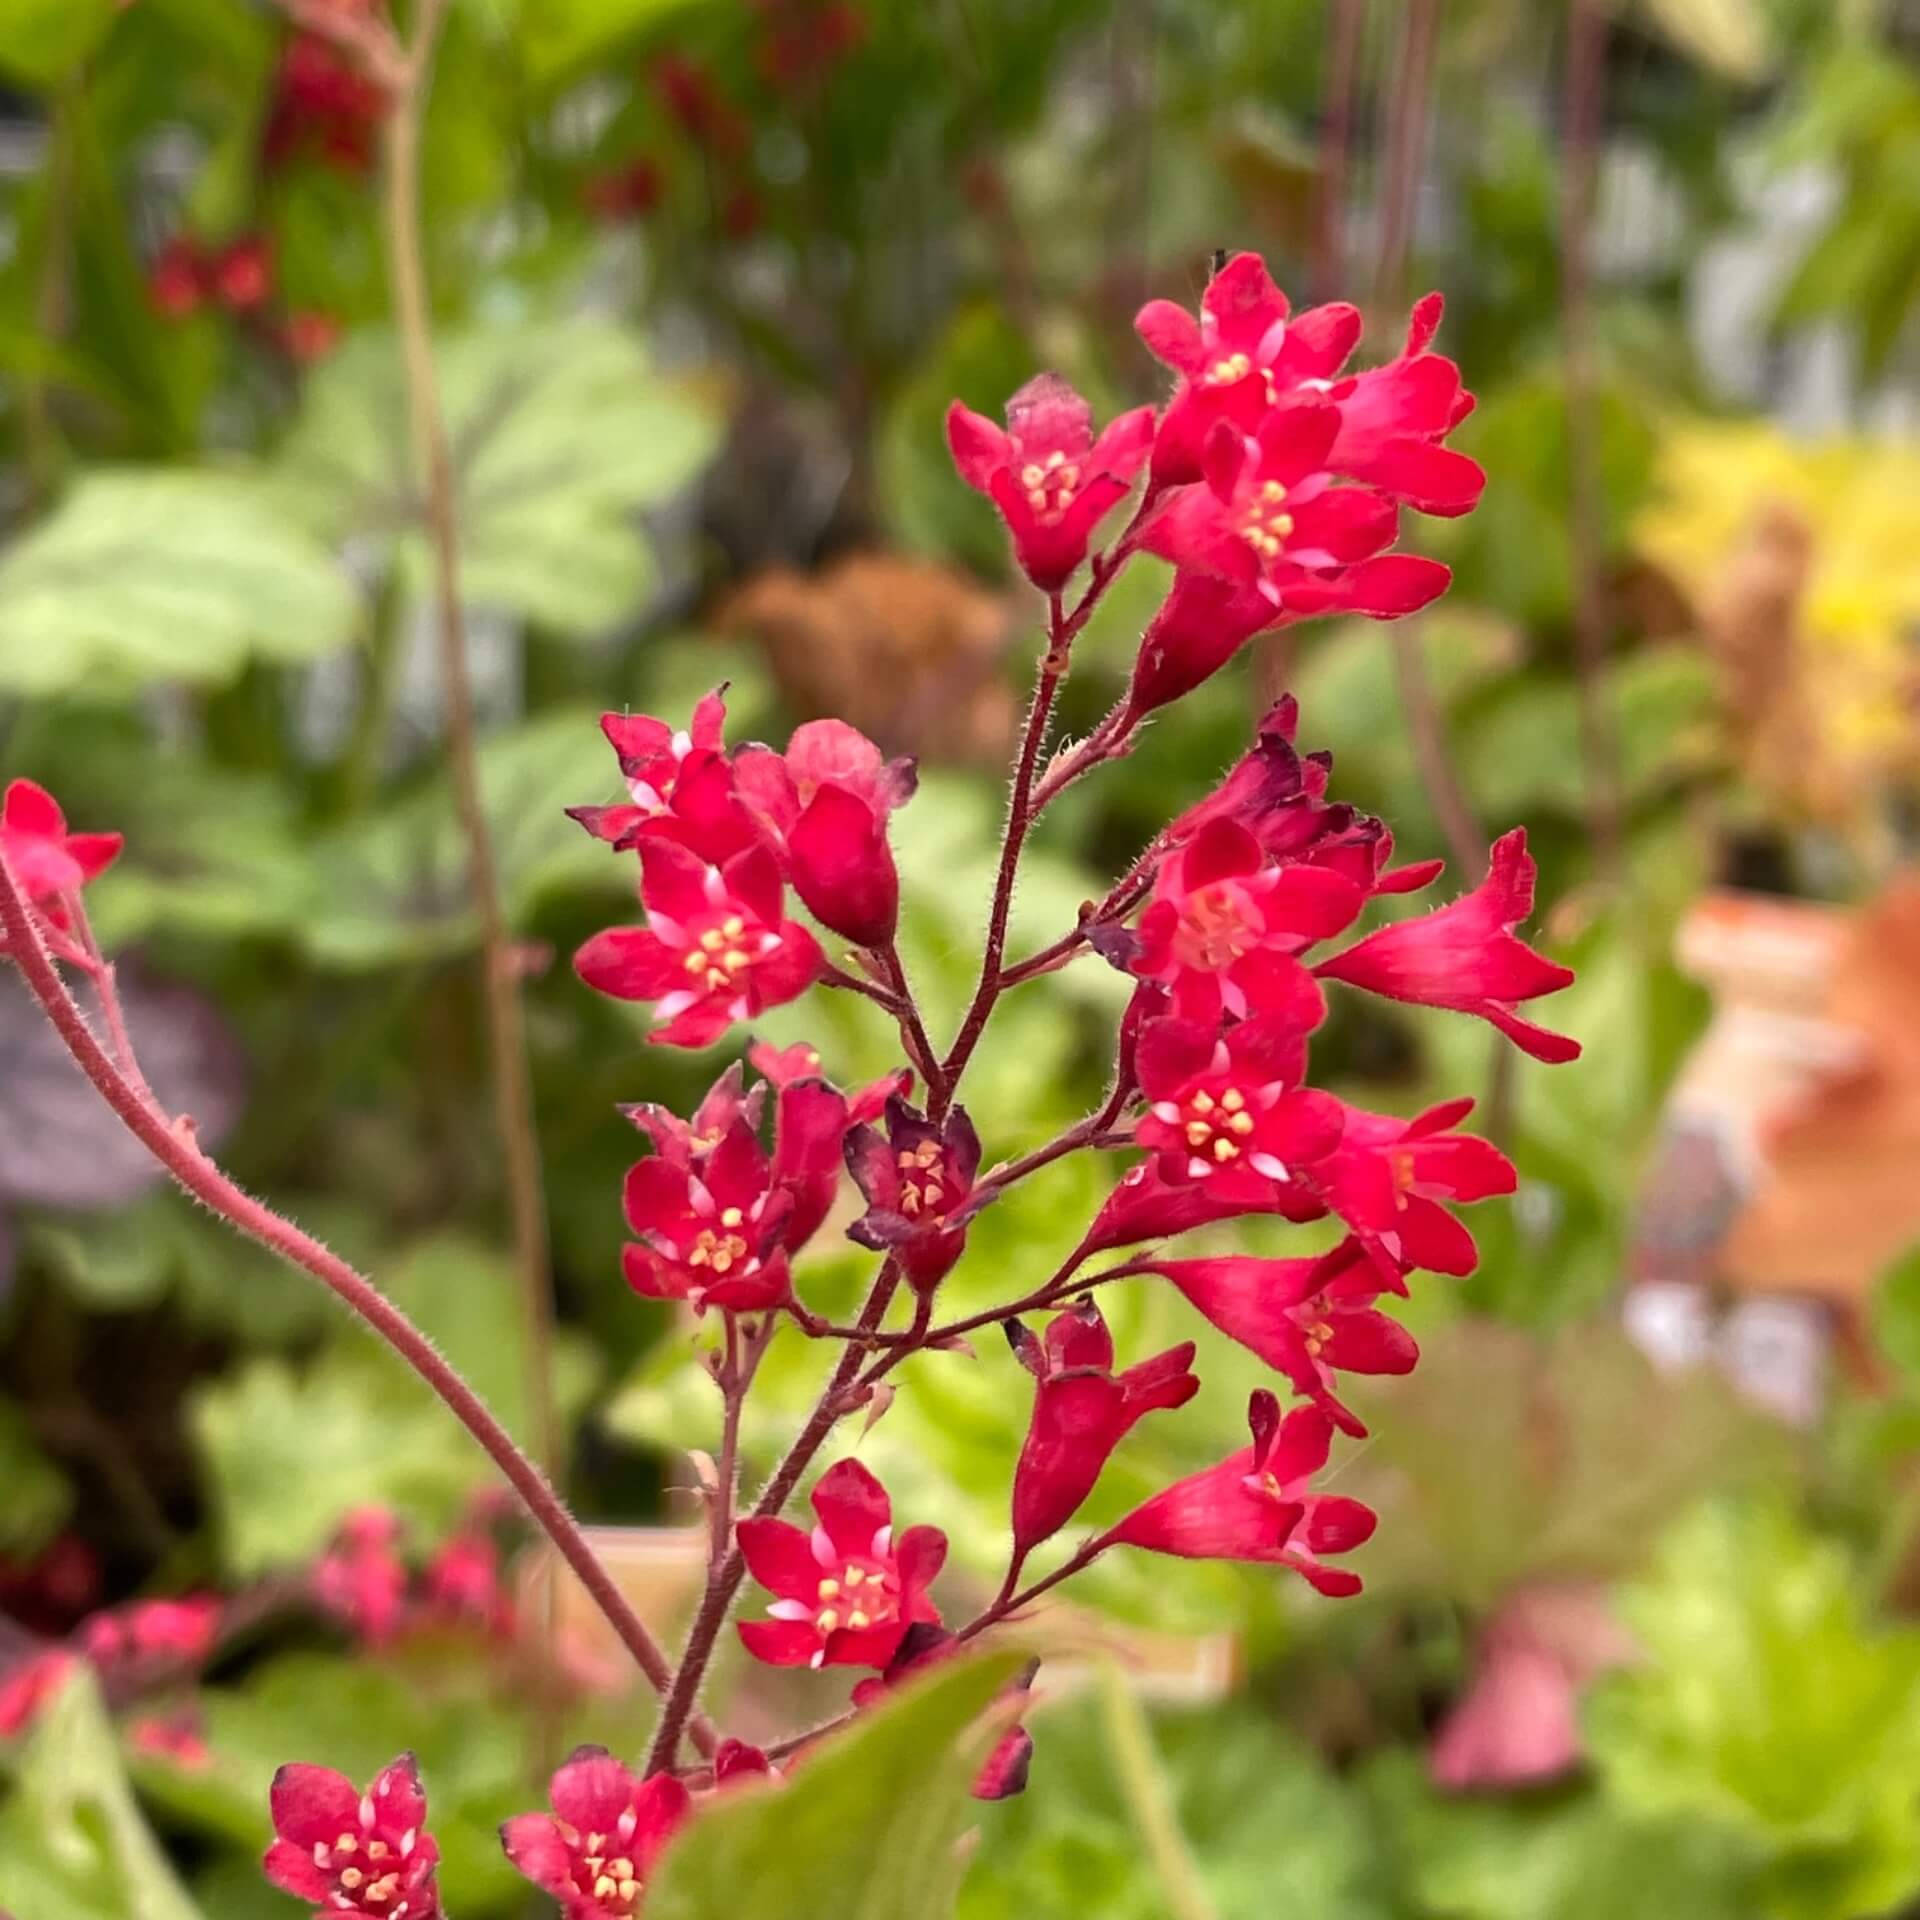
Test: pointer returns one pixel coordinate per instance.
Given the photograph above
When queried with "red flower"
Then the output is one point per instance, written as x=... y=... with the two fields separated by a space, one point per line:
x=784 y=1065
x=625 y=193
x=683 y=1142
x=30 y=1688
x=1229 y=1111
x=680 y=784
x=242 y=274
x=179 y=1738
x=1146 y=1205
x=1465 y=956
x=1255 y=1505
x=1392 y=419
x=48 y=863
x=177 y=280
x=824 y=803
x=691 y=95
x=172 y=1632
x=361 y=1579
x=1307 y=1318
x=917 y=1177
x=309 y=335
x=349 y=1852
x=1051 y=479
x=847 y=1593
x=322 y=100
x=1225 y=924
x=1388 y=1178
x=1082 y=1410
x=1242 y=356
x=709 y=1231
x=462 y=1582
x=715 y=949
x=606 y=1832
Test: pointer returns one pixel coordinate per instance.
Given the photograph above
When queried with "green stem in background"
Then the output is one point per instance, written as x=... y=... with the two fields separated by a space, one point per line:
x=38 y=451
x=1143 y=1782
x=511 y=1072
x=173 y=1144
x=1583 y=102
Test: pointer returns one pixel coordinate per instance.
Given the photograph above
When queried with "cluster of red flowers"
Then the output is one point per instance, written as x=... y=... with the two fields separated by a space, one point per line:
x=796 y=46
x=365 y=1581
x=238 y=279
x=130 y=1648
x=1274 y=482
x=323 y=104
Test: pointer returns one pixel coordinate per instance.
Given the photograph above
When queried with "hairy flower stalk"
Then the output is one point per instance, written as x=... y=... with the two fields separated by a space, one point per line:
x=1274 y=481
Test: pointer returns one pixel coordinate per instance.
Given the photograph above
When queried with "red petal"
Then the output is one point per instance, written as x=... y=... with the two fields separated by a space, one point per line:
x=852 y=1506
x=980 y=449
x=781 y=1558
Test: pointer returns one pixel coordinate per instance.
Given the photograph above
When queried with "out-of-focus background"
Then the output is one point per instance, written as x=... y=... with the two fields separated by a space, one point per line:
x=1639 y=1636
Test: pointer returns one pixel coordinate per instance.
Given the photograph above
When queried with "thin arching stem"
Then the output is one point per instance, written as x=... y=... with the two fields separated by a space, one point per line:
x=173 y=1144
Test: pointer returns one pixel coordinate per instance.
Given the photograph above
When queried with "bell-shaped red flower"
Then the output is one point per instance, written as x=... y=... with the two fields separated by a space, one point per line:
x=716 y=947
x=1051 y=479
x=711 y=1231
x=348 y=1852
x=1310 y=1319
x=1256 y=1504
x=846 y=1593
x=362 y=1579
x=608 y=1827
x=1225 y=926
x=679 y=782
x=824 y=803
x=917 y=1178
x=1228 y=1110
x=50 y=865
x=1244 y=353
x=1389 y=1180
x=1082 y=1410
x=1466 y=956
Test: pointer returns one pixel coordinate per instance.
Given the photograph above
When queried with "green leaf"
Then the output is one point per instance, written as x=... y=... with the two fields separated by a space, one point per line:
x=864 y=1831
x=1896 y=1316
x=290 y=1453
x=73 y=1844
x=141 y=576
x=37 y=1498
x=558 y=38
x=44 y=40
x=1768 y=1704
x=559 y=433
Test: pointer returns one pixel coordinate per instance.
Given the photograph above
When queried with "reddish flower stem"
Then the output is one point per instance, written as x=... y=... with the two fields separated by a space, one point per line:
x=173 y=1145
x=913 y=1027
x=723 y=1583
x=1006 y=1604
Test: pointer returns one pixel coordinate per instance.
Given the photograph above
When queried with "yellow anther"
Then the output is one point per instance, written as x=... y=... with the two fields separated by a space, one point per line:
x=1233 y=1100
x=734 y=959
x=385 y=1887
x=731 y=1217
x=1198 y=1133
x=377 y=1849
x=1225 y=1150
x=1069 y=477
x=857 y=1620
x=713 y=939
x=1202 y=1103
x=1241 y=1123
x=695 y=963
x=351 y=1877
x=347 y=1843
x=733 y=926
x=604 y=1889
x=1055 y=459
x=621 y=1869
x=856 y=1575
x=1273 y=493
x=1032 y=474
x=826 y=1620
x=1063 y=500
x=829 y=1589
x=1037 y=499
